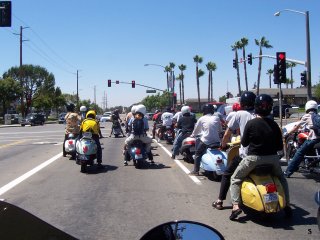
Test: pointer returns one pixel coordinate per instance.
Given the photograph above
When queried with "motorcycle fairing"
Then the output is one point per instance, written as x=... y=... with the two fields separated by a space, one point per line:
x=209 y=159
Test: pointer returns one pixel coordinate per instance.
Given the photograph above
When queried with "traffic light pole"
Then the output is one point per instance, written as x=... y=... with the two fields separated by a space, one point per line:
x=142 y=86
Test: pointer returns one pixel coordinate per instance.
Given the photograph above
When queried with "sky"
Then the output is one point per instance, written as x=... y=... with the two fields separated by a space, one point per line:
x=104 y=39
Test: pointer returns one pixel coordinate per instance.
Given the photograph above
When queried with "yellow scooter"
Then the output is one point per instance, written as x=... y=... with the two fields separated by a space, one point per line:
x=260 y=190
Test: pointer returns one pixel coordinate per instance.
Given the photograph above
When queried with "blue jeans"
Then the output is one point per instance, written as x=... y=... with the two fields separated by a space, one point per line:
x=178 y=142
x=293 y=165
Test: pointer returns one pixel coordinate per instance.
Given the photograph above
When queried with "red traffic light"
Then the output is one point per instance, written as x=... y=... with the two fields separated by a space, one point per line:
x=133 y=83
x=282 y=56
x=109 y=83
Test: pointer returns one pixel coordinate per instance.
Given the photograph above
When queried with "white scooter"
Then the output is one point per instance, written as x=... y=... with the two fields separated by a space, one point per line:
x=70 y=146
x=86 y=149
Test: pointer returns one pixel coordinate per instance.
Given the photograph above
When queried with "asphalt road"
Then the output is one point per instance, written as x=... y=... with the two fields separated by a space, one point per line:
x=121 y=202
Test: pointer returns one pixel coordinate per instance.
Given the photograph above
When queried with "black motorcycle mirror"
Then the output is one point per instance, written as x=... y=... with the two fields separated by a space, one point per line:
x=317 y=199
x=187 y=230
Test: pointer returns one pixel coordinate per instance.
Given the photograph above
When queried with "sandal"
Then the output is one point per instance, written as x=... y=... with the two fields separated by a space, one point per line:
x=218 y=204
x=235 y=214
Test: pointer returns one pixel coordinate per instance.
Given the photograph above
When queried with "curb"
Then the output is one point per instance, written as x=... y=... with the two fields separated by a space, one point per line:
x=18 y=125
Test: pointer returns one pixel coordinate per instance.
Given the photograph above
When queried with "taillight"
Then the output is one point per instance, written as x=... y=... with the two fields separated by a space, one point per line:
x=271 y=188
x=85 y=149
x=190 y=142
x=138 y=151
x=70 y=142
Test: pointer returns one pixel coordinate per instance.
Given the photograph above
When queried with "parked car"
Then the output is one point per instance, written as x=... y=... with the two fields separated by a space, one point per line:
x=285 y=111
x=61 y=119
x=106 y=117
x=15 y=118
x=33 y=119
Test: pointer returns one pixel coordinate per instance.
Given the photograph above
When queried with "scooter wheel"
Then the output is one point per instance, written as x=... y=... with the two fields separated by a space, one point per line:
x=83 y=168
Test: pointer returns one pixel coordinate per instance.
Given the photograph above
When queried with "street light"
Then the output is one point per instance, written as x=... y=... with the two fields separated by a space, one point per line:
x=308 y=62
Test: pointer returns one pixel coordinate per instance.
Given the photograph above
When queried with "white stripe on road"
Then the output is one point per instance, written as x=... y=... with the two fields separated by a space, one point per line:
x=20 y=179
x=183 y=167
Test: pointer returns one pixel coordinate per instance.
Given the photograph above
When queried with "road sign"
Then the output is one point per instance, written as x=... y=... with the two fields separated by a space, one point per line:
x=151 y=91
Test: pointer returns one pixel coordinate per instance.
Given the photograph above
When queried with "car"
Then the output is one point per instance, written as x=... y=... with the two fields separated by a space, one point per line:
x=15 y=118
x=106 y=117
x=285 y=111
x=33 y=119
x=61 y=119
x=149 y=115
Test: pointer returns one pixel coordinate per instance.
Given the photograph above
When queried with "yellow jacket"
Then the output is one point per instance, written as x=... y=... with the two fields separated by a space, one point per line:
x=90 y=125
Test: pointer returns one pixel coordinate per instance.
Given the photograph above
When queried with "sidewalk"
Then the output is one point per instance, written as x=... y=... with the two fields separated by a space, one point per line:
x=18 y=125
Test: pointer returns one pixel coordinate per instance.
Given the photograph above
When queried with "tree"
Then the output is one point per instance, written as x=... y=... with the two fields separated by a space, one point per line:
x=270 y=73
x=179 y=78
x=197 y=59
x=172 y=66
x=291 y=65
x=243 y=43
x=10 y=91
x=235 y=48
x=262 y=43
x=182 y=68
x=211 y=66
x=58 y=100
x=167 y=69
x=34 y=79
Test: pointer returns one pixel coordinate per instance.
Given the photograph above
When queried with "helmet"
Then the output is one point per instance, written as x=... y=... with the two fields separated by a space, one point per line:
x=168 y=109
x=236 y=107
x=208 y=109
x=311 y=105
x=70 y=107
x=157 y=111
x=141 y=109
x=263 y=105
x=116 y=111
x=133 y=109
x=91 y=114
x=247 y=100
x=185 y=109
x=83 y=109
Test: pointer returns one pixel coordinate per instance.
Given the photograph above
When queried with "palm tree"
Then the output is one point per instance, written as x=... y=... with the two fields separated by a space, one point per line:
x=211 y=66
x=182 y=68
x=291 y=65
x=261 y=43
x=197 y=59
x=167 y=69
x=243 y=43
x=179 y=78
x=270 y=73
x=235 y=48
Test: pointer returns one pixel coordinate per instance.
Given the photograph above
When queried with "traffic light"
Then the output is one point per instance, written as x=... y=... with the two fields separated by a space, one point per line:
x=117 y=81
x=5 y=13
x=235 y=63
x=250 y=59
x=275 y=74
x=109 y=83
x=133 y=84
x=303 y=78
x=282 y=67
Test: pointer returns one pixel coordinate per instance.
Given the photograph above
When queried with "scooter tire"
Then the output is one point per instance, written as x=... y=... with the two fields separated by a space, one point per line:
x=83 y=168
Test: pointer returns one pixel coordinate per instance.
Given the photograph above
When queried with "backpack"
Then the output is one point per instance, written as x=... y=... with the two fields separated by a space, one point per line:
x=138 y=126
x=316 y=123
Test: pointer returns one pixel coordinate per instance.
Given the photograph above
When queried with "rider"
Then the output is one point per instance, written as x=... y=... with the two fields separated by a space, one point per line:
x=90 y=125
x=83 y=112
x=116 y=120
x=156 y=122
x=209 y=126
x=186 y=124
x=72 y=123
x=237 y=122
x=306 y=121
x=263 y=138
x=138 y=112
x=167 y=121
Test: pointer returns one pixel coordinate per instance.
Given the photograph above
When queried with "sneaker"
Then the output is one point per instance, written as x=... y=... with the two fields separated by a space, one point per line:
x=173 y=156
x=194 y=173
x=152 y=162
x=150 y=155
x=125 y=163
x=100 y=166
x=287 y=174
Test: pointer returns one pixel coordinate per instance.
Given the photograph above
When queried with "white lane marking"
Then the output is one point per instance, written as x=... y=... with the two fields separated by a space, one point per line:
x=20 y=179
x=184 y=168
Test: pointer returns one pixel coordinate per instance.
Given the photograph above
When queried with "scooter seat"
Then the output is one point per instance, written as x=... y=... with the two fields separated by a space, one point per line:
x=262 y=170
x=214 y=145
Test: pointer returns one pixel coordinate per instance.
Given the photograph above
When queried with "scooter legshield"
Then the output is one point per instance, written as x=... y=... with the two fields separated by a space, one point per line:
x=254 y=194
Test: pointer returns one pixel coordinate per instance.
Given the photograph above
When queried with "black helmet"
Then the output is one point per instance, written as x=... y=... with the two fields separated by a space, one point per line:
x=168 y=109
x=263 y=105
x=208 y=109
x=247 y=100
x=70 y=107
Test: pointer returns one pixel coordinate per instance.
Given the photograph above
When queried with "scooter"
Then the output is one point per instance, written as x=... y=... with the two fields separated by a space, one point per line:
x=311 y=163
x=86 y=149
x=188 y=149
x=70 y=146
x=137 y=153
x=116 y=129
x=168 y=135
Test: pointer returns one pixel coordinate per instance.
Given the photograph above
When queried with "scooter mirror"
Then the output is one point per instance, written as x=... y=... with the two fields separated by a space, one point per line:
x=183 y=230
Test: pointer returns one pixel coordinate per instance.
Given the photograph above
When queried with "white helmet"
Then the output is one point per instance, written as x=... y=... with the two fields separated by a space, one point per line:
x=133 y=109
x=185 y=109
x=83 y=109
x=141 y=109
x=311 y=105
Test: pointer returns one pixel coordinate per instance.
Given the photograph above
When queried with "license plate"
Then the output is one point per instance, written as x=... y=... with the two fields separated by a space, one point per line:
x=270 y=197
x=83 y=157
x=138 y=156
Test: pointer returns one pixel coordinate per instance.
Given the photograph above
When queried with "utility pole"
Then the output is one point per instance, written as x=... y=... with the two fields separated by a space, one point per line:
x=77 y=89
x=95 y=94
